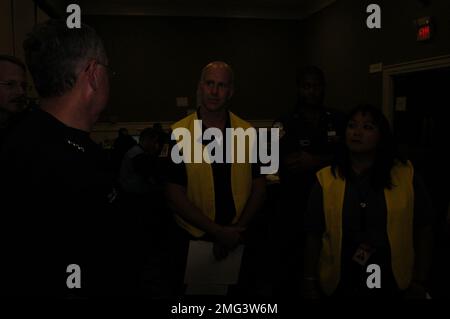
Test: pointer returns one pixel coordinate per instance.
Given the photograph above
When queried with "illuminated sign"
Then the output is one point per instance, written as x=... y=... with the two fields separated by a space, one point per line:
x=424 y=30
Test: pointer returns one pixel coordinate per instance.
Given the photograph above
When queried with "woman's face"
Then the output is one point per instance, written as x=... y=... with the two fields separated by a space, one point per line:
x=362 y=136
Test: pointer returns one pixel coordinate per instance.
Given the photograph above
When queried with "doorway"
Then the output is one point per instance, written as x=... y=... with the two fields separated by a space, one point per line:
x=420 y=116
x=416 y=99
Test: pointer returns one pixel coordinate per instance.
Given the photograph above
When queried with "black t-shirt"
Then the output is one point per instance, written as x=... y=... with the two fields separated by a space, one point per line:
x=224 y=202
x=57 y=210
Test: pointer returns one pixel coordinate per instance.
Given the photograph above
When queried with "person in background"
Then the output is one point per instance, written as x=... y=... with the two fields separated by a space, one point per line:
x=13 y=89
x=139 y=169
x=142 y=190
x=310 y=133
x=122 y=144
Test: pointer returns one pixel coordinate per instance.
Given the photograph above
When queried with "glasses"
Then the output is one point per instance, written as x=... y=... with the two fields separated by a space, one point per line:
x=11 y=85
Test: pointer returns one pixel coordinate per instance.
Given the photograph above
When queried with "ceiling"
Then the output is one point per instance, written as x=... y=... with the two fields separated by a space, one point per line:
x=266 y=9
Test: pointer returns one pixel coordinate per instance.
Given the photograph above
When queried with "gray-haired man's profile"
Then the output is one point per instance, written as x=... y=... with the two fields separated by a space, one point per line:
x=52 y=172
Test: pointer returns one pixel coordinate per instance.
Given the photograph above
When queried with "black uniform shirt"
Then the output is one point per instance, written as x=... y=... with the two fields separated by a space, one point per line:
x=303 y=135
x=57 y=211
x=315 y=138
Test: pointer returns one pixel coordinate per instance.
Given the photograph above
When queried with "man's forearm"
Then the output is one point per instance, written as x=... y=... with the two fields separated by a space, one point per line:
x=179 y=203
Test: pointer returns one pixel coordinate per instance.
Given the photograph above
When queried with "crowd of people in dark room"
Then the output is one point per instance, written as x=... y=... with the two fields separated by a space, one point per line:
x=343 y=198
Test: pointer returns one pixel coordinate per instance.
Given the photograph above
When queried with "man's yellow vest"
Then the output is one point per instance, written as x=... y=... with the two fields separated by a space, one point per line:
x=400 y=208
x=200 y=180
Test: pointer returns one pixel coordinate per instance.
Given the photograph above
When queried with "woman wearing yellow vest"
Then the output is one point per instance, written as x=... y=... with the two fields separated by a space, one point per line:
x=369 y=218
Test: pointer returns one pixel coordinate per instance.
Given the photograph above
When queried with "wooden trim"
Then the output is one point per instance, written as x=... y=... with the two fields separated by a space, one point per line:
x=390 y=71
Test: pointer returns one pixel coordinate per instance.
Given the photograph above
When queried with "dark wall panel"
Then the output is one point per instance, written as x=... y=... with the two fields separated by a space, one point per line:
x=338 y=40
x=158 y=59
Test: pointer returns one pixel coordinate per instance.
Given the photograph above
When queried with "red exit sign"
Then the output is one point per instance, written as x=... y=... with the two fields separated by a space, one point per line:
x=423 y=29
x=424 y=33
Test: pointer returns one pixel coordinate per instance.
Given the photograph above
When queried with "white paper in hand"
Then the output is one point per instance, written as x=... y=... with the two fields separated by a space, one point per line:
x=203 y=269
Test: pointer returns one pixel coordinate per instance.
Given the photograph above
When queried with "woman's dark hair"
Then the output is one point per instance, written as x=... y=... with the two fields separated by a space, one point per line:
x=386 y=153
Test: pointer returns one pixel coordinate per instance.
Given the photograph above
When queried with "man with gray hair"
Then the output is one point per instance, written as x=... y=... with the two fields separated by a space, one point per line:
x=58 y=238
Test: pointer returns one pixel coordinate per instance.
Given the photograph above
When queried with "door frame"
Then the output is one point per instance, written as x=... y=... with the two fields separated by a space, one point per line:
x=389 y=71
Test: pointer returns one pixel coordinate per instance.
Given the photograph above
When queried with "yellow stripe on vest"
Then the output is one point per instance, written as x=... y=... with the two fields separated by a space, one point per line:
x=200 y=180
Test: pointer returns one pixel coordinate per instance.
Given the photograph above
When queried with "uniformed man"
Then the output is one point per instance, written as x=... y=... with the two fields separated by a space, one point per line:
x=309 y=135
x=57 y=197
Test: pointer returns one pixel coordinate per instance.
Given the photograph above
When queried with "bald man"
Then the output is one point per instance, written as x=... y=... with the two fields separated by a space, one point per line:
x=213 y=202
x=13 y=87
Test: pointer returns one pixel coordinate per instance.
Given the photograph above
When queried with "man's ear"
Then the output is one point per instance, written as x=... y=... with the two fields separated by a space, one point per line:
x=92 y=74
